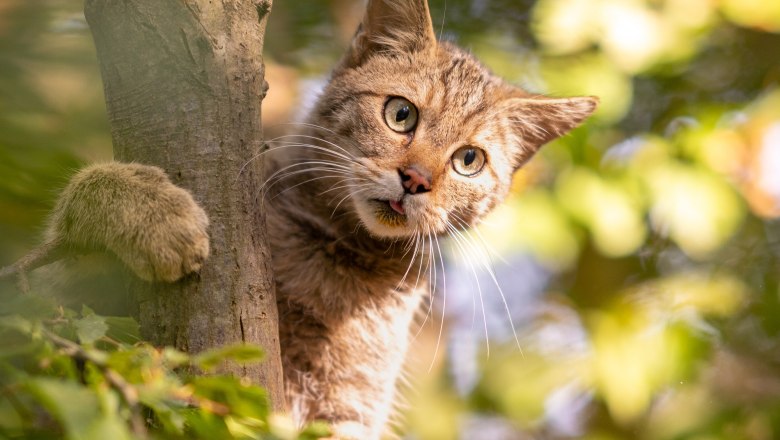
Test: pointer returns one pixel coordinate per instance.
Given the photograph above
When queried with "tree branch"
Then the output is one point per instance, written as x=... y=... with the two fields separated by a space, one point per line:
x=44 y=254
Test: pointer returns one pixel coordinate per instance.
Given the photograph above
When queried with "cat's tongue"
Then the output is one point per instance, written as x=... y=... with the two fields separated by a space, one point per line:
x=398 y=206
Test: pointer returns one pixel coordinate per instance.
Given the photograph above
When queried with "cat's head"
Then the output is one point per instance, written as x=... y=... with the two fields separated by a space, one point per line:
x=432 y=137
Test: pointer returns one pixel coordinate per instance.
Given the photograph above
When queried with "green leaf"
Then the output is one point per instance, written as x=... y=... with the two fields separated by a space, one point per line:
x=91 y=328
x=107 y=427
x=28 y=306
x=16 y=322
x=174 y=358
x=84 y=414
x=123 y=329
x=204 y=425
x=243 y=400
x=74 y=406
x=241 y=353
x=315 y=431
x=16 y=337
x=10 y=420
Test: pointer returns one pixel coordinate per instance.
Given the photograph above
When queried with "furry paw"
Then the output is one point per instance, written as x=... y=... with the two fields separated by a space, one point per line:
x=156 y=228
x=168 y=248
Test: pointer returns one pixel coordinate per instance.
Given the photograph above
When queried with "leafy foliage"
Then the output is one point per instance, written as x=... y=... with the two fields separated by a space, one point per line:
x=84 y=376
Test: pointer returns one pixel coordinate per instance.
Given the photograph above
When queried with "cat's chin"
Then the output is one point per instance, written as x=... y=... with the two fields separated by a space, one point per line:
x=382 y=220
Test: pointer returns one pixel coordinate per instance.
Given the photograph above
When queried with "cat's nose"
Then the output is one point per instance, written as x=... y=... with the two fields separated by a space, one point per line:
x=414 y=181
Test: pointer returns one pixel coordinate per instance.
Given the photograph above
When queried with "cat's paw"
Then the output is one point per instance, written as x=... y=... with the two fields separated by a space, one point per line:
x=156 y=228
x=174 y=246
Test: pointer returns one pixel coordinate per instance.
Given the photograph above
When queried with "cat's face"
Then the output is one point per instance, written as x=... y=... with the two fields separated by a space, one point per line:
x=431 y=137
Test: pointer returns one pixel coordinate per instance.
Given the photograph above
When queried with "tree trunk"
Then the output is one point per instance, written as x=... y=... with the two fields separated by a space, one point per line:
x=183 y=82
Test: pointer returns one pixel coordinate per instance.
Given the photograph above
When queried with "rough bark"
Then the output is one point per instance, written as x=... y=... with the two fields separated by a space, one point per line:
x=183 y=83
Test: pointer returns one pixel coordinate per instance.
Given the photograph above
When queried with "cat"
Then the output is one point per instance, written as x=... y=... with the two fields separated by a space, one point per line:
x=411 y=139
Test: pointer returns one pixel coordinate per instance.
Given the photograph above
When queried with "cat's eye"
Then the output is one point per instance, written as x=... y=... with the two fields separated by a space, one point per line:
x=468 y=161
x=400 y=115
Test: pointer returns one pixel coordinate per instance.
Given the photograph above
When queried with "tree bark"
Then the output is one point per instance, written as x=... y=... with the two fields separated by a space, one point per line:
x=183 y=83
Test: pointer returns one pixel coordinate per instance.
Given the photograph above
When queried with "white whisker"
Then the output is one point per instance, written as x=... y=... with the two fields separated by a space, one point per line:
x=298 y=164
x=305 y=136
x=484 y=259
x=334 y=174
x=327 y=176
x=443 y=299
x=430 y=288
x=345 y=198
x=346 y=185
x=458 y=237
x=293 y=144
x=414 y=257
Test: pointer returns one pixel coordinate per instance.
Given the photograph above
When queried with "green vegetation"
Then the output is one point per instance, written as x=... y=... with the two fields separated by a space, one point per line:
x=654 y=227
x=83 y=376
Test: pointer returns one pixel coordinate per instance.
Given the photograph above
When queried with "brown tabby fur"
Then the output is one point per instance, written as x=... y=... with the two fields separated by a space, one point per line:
x=348 y=284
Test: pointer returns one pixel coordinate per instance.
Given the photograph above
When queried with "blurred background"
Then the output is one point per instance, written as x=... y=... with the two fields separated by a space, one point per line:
x=630 y=287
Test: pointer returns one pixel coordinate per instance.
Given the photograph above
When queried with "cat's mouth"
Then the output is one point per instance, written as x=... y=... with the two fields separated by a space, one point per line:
x=389 y=212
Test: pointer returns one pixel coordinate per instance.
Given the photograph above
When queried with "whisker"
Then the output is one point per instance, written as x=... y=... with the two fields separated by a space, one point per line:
x=305 y=136
x=443 y=16
x=320 y=161
x=289 y=144
x=345 y=198
x=298 y=164
x=320 y=166
x=407 y=246
x=489 y=269
x=347 y=185
x=419 y=269
x=333 y=174
x=430 y=290
x=307 y=124
x=337 y=173
x=292 y=144
x=432 y=273
x=443 y=299
x=328 y=176
x=458 y=237
x=485 y=244
x=411 y=263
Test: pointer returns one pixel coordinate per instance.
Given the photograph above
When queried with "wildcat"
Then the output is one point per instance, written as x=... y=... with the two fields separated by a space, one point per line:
x=411 y=139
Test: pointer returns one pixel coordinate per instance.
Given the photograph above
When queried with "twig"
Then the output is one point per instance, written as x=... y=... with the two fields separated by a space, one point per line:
x=128 y=391
x=44 y=254
x=130 y=395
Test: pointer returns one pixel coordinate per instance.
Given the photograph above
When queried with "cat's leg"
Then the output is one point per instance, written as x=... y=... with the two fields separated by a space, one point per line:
x=135 y=212
x=346 y=372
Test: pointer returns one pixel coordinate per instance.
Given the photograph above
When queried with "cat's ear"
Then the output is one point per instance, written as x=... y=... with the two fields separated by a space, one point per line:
x=536 y=120
x=391 y=27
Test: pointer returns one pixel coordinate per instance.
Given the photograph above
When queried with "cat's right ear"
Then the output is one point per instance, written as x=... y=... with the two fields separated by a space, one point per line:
x=536 y=120
x=391 y=27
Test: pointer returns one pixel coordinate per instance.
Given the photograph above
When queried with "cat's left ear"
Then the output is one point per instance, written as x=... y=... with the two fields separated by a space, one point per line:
x=391 y=27
x=536 y=120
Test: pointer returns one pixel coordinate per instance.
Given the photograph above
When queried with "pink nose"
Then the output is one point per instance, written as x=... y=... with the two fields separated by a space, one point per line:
x=414 y=181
